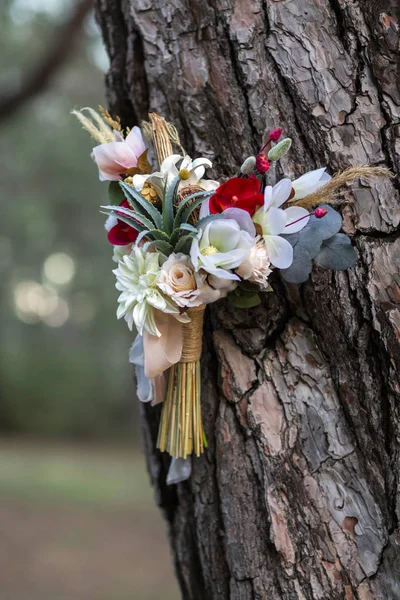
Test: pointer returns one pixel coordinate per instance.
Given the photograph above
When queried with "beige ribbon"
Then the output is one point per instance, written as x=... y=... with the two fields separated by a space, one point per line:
x=160 y=353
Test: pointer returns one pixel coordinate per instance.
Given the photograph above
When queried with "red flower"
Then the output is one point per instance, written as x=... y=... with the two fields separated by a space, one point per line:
x=122 y=234
x=275 y=134
x=237 y=193
x=262 y=163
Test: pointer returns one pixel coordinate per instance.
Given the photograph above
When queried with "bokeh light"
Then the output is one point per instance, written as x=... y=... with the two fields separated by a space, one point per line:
x=59 y=268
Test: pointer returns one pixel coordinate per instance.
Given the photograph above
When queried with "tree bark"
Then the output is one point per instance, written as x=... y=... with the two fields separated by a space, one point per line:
x=298 y=494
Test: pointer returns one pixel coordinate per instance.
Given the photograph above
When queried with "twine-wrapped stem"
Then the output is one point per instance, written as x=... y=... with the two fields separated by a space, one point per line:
x=181 y=427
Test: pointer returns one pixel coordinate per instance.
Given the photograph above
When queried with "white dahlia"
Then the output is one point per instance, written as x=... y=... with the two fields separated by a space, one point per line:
x=137 y=276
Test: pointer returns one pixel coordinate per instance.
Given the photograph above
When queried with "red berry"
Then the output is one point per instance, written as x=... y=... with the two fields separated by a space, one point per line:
x=262 y=163
x=320 y=212
x=275 y=134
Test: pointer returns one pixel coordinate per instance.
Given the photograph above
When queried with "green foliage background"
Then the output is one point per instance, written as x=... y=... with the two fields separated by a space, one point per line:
x=72 y=380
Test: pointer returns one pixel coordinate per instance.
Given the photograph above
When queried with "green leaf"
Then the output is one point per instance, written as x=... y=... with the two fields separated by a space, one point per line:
x=248 y=286
x=244 y=300
x=188 y=227
x=183 y=242
x=140 y=204
x=142 y=235
x=181 y=214
x=164 y=247
x=130 y=222
x=207 y=220
x=159 y=234
x=130 y=213
x=175 y=236
x=188 y=211
x=168 y=205
x=115 y=194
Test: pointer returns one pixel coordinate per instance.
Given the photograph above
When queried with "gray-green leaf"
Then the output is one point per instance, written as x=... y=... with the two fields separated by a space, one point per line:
x=337 y=253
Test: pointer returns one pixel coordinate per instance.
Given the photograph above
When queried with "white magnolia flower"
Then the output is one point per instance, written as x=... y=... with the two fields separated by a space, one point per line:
x=256 y=267
x=190 y=173
x=273 y=223
x=137 y=275
x=221 y=247
x=275 y=196
x=179 y=281
x=309 y=183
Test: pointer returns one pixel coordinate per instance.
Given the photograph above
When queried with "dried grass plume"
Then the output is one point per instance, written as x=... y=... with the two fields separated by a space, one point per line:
x=329 y=193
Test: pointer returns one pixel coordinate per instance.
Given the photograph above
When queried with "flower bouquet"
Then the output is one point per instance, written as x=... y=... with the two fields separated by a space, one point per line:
x=182 y=241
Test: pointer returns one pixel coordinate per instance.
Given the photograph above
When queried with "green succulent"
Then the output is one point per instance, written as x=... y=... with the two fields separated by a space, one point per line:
x=167 y=230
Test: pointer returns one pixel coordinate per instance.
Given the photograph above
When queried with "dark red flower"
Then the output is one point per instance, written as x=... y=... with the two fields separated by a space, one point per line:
x=237 y=193
x=122 y=234
x=262 y=163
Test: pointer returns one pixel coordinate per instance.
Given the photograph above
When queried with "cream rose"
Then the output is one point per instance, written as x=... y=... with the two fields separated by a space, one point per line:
x=256 y=266
x=178 y=279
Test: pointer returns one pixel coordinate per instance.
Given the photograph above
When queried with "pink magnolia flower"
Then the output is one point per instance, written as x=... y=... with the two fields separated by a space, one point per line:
x=116 y=158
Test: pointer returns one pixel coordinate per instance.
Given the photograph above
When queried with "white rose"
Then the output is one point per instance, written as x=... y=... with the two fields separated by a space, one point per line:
x=178 y=279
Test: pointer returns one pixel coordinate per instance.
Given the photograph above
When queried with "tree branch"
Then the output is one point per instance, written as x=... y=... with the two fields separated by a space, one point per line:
x=52 y=60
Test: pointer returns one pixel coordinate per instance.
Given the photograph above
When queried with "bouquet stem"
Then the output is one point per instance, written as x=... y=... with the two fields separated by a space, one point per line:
x=181 y=427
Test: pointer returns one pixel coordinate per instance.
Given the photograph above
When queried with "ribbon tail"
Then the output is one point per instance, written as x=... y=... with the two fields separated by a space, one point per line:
x=180 y=469
x=145 y=387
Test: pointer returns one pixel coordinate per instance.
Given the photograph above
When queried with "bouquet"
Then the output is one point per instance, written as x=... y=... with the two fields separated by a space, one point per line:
x=182 y=241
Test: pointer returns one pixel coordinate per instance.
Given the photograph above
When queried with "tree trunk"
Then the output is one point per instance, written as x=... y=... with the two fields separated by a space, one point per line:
x=297 y=496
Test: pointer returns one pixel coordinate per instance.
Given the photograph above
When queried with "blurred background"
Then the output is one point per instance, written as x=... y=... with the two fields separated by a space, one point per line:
x=77 y=517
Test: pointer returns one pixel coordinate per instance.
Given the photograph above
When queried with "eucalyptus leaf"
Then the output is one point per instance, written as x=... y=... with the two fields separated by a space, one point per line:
x=328 y=225
x=337 y=253
x=300 y=268
x=115 y=194
x=292 y=238
x=311 y=239
x=136 y=199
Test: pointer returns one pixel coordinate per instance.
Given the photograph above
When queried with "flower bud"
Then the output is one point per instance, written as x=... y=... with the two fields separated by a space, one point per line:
x=275 y=134
x=280 y=149
x=262 y=163
x=320 y=212
x=248 y=165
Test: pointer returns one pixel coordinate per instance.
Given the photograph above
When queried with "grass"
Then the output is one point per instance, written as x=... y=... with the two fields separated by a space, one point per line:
x=107 y=477
x=79 y=523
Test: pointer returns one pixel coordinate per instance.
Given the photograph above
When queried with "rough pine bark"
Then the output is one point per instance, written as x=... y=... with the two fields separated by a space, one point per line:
x=298 y=495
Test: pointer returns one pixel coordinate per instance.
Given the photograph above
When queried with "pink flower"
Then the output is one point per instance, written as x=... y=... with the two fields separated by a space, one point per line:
x=115 y=158
x=275 y=134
